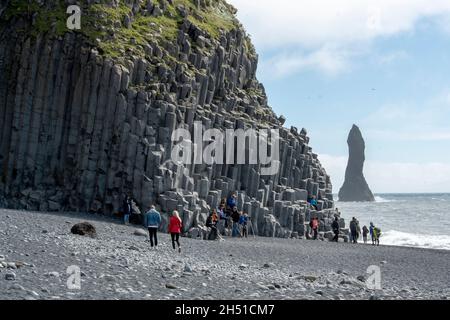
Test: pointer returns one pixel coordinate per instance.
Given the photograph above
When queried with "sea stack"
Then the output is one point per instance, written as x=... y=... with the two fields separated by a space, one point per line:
x=355 y=187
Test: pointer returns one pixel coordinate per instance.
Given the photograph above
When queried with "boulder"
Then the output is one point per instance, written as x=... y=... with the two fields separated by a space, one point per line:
x=84 y=229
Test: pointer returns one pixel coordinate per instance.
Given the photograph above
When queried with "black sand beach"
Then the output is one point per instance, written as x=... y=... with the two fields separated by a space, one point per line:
x=37 y=248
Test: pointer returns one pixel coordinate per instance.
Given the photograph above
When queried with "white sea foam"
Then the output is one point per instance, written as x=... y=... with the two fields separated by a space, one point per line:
x=380 y=199
x=398 y=238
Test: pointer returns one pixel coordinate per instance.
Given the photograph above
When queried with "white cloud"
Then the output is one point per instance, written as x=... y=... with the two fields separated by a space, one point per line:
x=393 y=177
x=330 y=61
x=313 y=23
x=330 y=32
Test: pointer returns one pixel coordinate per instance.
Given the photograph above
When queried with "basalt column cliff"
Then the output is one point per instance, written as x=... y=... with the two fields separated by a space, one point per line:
x=87 y=115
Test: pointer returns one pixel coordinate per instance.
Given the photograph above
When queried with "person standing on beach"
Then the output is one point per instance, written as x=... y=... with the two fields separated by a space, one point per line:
x=377 y=235
x=175 y=225
x=235 y=216
x=314 y=224
x=152 y=220
x=371 y=229
x=127 y=209
x=358 y=230
x=365 y=232
x=336 y=229
x=243 y=222
x=211 y=222
x=354 y=230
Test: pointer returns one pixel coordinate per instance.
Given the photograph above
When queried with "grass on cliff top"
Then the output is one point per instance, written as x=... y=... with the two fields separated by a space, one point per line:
x=103 y=24
x=45 y=20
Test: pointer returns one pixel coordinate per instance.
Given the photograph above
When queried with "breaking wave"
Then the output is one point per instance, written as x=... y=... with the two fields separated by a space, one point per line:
x=404 y=239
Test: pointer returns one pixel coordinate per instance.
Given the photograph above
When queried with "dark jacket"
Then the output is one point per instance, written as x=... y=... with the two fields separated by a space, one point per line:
x=231 y=202
x=353 y=226
x=335 y=226
x=127 y=207
x=235 y=216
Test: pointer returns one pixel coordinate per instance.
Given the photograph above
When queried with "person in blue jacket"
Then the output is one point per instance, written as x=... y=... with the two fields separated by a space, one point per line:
x=152 y=220
x=243 y=220
x=231 y=201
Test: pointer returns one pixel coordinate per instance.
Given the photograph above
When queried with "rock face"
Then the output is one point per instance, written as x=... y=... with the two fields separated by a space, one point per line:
x=85 y=120
x=355 y=187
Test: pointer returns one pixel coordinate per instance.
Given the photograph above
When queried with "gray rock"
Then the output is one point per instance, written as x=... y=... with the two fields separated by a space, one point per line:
x=140 y=233
x=171 y=286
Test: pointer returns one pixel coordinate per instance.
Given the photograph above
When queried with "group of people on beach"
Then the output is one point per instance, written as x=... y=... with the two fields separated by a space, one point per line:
x=227 y=216
x=355 y=232
x=152 y=221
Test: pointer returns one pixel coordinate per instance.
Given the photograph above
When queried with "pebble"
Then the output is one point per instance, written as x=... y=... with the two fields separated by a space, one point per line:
x=53 y=274
x=187 y=268
x=171 y=286
x=10 y=276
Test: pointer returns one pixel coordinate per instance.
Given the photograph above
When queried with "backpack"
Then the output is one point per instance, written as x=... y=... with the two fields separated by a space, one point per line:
x=315 y=224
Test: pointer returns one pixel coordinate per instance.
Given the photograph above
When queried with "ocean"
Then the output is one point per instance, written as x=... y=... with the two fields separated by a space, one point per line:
x=412 y=220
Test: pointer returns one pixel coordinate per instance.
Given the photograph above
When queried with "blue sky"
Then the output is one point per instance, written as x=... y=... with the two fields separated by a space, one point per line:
x=383 y=65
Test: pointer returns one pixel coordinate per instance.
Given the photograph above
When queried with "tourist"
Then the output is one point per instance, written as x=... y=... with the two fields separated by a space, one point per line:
x=314 y=224
x=243 y=220
x=235 y=216
x=232 y=202
x=127 y=208
x=377 y=235
x=175 y=225
x=353 y=231
x=365 y=232
x=372 y=233
x=313 y=202
x=152 y=220
x=358 y=230
x=336 y=229
x=211 y=222
x=223 y=203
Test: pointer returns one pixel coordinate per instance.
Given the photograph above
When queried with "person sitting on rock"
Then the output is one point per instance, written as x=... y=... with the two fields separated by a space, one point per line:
x=152 y=220
x=175 y=226
x=222 y=215
x=365 y=232
x=314 y=224
x=313 y=202
x=223 y=203
x=243 y=220
x=235 y=216
x=232 y=202
x=353 y=231
x=336 y=229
